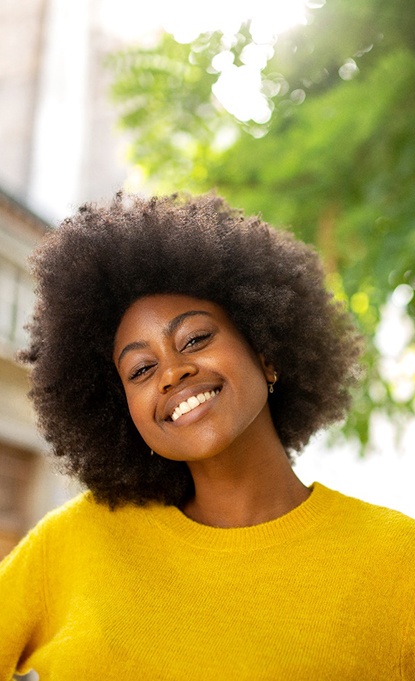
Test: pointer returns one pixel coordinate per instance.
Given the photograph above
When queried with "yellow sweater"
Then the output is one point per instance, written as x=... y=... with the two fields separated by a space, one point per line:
x=324 y=593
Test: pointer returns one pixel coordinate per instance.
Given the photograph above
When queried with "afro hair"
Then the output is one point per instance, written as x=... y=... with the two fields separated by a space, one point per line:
x=97 y=263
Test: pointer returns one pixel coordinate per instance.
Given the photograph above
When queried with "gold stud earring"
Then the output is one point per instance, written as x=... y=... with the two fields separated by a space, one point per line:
x=271 y=385
x=151 y=452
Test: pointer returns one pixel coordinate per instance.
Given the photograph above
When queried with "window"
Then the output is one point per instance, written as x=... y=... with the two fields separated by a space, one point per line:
x=16 y=302
x=16 y=472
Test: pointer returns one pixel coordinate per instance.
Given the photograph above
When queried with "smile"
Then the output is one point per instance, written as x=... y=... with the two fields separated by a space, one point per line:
x=192 y=403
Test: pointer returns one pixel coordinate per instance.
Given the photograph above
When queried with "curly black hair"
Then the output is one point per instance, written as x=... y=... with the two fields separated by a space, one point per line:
x=97 y=263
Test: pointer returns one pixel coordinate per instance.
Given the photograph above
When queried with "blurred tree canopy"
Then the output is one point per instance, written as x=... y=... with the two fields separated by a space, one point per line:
x=334 y=159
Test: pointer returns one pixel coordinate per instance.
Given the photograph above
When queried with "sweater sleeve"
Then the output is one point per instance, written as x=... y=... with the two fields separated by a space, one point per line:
x=408 y=648
x=23 y=609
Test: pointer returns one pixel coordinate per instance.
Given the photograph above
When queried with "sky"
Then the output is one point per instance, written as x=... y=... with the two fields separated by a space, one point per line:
x=186 y=19
x=238 y=88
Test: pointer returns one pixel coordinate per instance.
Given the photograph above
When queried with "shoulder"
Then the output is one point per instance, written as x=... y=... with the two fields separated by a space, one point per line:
x=83 y=511
x=84 y=525
x=79 y=520
x=80 y=506
x=377 y=527
x=56 y=521
x=371 y=513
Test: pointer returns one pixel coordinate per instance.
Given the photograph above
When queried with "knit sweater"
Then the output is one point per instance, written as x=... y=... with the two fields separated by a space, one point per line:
x=325 y=592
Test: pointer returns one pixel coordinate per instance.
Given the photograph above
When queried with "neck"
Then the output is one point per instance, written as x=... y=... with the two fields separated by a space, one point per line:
x=255 y=486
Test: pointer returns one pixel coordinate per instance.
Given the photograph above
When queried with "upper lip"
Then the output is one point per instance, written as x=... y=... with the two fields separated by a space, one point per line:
x=182 y=395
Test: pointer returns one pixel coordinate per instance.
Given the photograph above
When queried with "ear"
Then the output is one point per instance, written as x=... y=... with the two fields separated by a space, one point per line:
x=268 y=368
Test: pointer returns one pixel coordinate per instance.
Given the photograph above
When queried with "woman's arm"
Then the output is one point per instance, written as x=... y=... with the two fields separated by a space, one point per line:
x=22 y=604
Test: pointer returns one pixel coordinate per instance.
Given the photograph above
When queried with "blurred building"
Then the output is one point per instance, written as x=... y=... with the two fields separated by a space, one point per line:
x=28 y=486
x=58 y=141
x=58 y=148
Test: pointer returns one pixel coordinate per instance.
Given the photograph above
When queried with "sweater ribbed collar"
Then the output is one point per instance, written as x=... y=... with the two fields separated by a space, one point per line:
x=316 y=508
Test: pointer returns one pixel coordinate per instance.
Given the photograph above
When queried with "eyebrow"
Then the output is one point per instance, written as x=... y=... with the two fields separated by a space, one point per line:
x=171 y=327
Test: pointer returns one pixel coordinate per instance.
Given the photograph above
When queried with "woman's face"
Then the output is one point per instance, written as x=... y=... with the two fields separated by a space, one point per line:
x=194 y=385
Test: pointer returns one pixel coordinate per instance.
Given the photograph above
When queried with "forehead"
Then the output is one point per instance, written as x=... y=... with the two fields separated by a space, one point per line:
x=167 y=304
x=153 y=313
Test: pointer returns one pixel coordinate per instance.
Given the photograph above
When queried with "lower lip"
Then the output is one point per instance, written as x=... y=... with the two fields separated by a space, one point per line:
x=195 y=414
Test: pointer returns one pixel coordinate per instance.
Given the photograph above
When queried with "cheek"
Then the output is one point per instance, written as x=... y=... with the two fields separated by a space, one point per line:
x=248 y=390
x=140 y=414
x=254 y=399
x=247 y=370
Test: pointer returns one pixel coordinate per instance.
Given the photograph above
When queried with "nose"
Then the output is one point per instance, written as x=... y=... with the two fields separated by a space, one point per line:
x=174 y=372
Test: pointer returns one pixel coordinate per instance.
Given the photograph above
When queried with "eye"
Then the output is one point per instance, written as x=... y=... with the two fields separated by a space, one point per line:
x=196 y=340
x=139 y=372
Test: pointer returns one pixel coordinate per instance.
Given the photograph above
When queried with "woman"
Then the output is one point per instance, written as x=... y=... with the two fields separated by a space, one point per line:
x=181 y=354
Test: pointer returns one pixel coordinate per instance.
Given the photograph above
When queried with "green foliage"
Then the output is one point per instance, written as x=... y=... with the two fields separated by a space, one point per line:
x=165 y=93
x=336 y=161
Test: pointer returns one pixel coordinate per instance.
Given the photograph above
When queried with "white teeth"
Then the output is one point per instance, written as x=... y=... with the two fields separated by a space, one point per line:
x=184 y=407
x=192 y=403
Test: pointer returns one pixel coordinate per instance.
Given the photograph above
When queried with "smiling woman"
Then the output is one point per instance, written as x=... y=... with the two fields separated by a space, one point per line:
x=181 y=353
x=186 y=383
x=103 y=260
